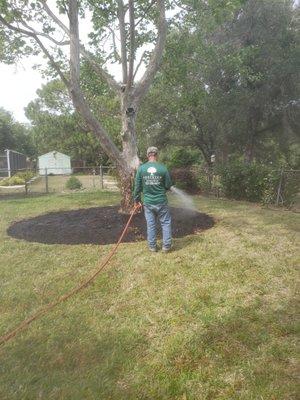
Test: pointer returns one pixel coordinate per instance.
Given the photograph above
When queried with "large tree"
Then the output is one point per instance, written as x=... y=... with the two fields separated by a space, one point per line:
x=34 y=27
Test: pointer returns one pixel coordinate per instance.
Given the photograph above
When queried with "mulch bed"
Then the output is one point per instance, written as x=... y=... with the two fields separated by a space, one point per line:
x=100 y=225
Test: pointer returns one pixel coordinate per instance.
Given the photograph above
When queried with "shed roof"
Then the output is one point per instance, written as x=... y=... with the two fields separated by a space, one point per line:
x=52 y=152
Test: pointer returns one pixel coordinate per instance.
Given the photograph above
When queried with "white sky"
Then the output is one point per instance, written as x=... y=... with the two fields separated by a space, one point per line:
x=18 y=87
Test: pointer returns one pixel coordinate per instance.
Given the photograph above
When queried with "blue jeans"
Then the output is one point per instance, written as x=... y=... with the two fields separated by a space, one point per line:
x=162 y=212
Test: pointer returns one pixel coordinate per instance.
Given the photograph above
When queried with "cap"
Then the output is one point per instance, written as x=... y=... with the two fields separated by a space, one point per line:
x=152 y=149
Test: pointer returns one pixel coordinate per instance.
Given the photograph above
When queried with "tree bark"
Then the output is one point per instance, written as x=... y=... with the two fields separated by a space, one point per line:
x=126 y=183
x=130 y=150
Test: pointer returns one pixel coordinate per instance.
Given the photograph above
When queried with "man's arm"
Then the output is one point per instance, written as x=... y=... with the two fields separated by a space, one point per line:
x=138 y=186
x=168 y=181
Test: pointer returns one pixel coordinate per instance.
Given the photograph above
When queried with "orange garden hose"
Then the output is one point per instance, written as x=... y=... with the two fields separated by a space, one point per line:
x=5 y=338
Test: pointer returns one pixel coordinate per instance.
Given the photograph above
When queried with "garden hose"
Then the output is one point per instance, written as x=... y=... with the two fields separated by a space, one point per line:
x=5 y=338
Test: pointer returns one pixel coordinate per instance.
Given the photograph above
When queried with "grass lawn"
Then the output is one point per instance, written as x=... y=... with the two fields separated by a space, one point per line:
x=215 y=319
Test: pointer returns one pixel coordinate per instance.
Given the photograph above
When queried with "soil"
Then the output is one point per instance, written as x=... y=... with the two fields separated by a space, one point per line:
x=100 y=225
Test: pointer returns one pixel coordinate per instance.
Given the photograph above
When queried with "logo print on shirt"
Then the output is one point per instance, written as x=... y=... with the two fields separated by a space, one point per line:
x=151 y=170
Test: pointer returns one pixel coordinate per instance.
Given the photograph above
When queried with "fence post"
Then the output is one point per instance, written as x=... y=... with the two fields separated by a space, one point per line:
x=8 y=163
x=101 y=176
x=279 y=187
x=46 y=180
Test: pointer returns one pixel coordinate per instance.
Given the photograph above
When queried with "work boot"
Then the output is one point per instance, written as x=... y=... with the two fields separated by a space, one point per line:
x=166 y=249
x=153 y=249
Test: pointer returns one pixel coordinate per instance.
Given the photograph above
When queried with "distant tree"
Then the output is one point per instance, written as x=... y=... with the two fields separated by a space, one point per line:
x=229 y=82
x=263 y=84
x=56 y=125
x=14 y=136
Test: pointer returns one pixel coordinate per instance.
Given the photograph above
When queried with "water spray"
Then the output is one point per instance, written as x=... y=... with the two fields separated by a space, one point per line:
x=185 y=200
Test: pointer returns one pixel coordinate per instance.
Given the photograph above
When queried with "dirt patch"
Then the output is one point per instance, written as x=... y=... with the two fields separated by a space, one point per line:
x=100 y=225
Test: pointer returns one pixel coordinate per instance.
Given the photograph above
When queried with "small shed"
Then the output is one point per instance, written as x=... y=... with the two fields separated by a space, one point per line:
x=55 y=163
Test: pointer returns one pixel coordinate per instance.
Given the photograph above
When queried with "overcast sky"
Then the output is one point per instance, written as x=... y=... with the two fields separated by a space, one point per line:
x=18 y=87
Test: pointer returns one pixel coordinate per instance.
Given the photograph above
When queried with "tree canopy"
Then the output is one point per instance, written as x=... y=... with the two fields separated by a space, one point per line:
x=14 y=136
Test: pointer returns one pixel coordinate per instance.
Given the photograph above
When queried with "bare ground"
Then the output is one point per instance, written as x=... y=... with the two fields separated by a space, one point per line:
x=100 y=225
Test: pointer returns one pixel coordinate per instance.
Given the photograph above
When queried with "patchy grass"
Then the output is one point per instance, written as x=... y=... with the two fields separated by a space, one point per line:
x=215 y=319
x=57 y=184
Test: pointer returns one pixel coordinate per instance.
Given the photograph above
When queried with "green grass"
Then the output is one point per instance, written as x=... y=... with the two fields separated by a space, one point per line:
x=215 y=319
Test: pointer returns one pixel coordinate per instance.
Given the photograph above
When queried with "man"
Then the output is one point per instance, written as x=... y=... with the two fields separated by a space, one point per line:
x=153 y=180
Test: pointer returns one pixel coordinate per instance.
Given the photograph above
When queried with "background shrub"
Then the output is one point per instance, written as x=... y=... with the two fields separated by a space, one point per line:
x=180 y=157
x=18 y=179
x=242 y=181
x=25 y=175
x=14 y=180
x=258 y=183
x=186 y=179
x=73 y=183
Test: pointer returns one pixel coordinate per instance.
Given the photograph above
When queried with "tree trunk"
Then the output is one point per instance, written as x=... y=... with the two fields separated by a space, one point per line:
x=126 y=183
x=130 y=151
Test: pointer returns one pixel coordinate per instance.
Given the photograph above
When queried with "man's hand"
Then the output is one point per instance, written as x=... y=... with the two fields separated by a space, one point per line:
x=138 y=206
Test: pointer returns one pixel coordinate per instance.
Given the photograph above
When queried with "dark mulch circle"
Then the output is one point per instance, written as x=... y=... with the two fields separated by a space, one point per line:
x=100 y=225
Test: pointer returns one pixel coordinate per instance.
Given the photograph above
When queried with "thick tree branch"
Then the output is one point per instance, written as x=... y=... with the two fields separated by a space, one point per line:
x=54 y=18
x=77 y=95
x=57 y=42
x=53 y=62
x=74 y=45
x=145 y=13
x=113 y=84
x=34 y=36
x=116 y=54
x=132 y=44
x=144 y=84
x=139 y=64
x=121 y=17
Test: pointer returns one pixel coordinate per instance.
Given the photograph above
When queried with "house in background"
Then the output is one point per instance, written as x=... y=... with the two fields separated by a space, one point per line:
x=54 y=163
x=11 y=162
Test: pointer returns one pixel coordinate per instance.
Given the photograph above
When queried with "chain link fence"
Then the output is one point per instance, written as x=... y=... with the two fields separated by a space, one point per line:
x=283 y=189
x=40 y=181
x=277 y=187
x=286 y=192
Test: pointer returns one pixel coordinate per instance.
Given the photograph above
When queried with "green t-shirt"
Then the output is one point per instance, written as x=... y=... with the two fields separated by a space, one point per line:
x=152 y=179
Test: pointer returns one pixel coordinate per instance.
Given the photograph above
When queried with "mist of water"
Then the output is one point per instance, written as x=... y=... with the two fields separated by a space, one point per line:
x=185 y=200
